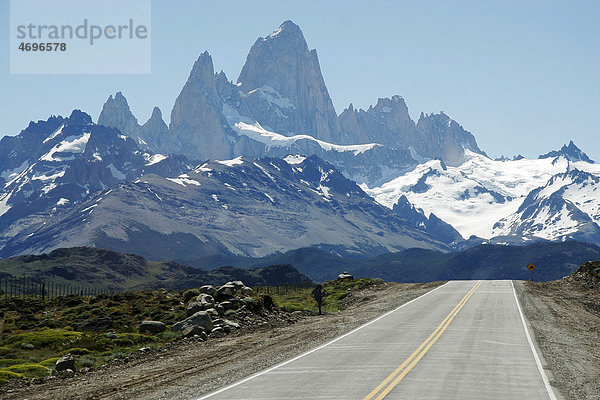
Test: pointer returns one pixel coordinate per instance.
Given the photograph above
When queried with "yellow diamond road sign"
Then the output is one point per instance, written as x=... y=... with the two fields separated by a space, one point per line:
x=531 y=267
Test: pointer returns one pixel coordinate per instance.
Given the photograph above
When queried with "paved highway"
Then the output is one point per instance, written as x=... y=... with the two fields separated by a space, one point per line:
x=463 y=340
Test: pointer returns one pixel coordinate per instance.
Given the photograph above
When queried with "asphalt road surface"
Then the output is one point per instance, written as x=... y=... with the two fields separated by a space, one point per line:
x=463 y=340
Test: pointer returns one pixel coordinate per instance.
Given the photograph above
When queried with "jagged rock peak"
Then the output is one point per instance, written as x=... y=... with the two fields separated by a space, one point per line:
x=571 y=152
x=284 y=88
x=115 y=108
x=117 y=114
x=394 y=105
x=79 y=117
x=203 y=65
x=156 y=121
x=287 y=31
x=444 y=138
x=119 y=98
x=203 y=75
x=441 y=116
x=156 y=114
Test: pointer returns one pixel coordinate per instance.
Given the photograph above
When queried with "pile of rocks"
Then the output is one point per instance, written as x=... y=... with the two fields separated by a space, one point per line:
x=206 y=313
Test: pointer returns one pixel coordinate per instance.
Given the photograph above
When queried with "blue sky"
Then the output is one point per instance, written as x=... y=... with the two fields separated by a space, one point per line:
x=523 y=77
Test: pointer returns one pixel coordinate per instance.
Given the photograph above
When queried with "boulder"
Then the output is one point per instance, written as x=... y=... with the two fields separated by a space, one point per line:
x=193 y=307
x=227 y=305
x=201 y=318
x=220 y=309
x=237 y=303
x=192 y=331
x=152 y=327
x=64 y=363
x=206 y=300
x=217 y=332
x=231 y=324
x=251 y=304
x=226 y=290
x=208 y=289
x=213 y=313
x=345 y=277
x=247 y=291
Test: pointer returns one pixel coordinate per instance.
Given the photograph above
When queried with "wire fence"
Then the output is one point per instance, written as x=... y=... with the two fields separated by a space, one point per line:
x=285 y=288
x=11 y=286
x=23 y=286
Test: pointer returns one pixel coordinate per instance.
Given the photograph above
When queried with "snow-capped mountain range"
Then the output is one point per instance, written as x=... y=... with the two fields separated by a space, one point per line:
x=487 y=198
x=265 y=165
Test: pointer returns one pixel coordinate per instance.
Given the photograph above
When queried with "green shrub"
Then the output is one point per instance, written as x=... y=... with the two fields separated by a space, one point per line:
x=169 y=335
x=6 y=351
x=122 y=342
x=27 y=346
x=78 y=351
x=5 y=376
x=114 y=356
x=46 y=338
x=7 y=362
x=190 y=294
x=87 y=361
x=29 y=370
x=50 y=362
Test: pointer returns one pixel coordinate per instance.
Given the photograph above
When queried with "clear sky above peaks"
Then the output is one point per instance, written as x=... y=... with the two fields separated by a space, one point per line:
x=523 y=77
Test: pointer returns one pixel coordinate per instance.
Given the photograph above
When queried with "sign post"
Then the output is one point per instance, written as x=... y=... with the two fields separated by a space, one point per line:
x=531 y=267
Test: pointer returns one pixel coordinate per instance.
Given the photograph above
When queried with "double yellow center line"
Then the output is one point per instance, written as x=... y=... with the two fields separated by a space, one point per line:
x=395 y=377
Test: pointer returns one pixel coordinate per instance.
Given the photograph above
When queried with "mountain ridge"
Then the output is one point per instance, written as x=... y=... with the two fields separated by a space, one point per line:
x=104 y=269
x=281 y=93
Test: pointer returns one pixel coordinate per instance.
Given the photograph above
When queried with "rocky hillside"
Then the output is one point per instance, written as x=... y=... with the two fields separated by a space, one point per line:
x=53 y=165
x=588 y=273
x=276 y=205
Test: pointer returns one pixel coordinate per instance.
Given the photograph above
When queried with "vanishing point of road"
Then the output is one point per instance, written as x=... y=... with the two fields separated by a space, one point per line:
x=463 y=340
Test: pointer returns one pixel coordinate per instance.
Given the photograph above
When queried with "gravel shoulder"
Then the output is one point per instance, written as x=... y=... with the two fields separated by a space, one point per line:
x=564 y=316
x=189 y=368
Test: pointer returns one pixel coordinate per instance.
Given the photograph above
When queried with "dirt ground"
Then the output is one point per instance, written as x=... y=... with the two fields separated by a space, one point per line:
x=189 y=368
x=565 y=318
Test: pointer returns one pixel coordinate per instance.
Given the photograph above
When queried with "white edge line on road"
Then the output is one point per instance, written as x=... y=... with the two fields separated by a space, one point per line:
x=535 y=354
x=319 y=347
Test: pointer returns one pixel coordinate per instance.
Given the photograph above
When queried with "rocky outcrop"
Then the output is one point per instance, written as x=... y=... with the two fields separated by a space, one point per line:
x=117 y=114
x=388 y=123
x=155 y=132
x=436 y=227
x=439 y=136
x=153 y=135
x=571 y=152
x=284 y=88
x=198 y=128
